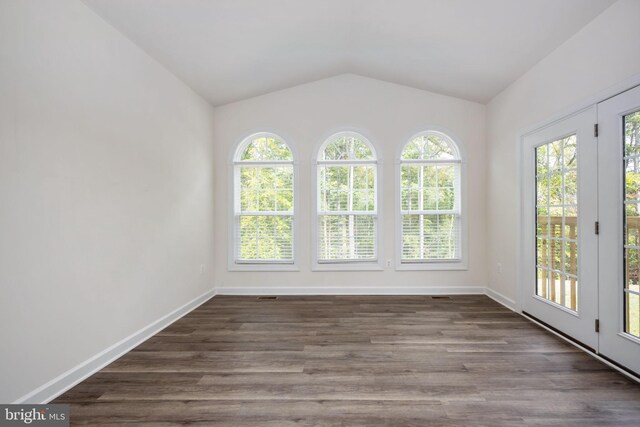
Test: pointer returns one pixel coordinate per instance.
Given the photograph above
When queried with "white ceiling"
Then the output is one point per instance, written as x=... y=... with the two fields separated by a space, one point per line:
x=228 y=50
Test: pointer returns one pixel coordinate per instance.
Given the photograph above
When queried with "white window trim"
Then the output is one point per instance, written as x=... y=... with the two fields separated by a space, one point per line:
x=346 y=265
x=433 y=264
x=259 y=265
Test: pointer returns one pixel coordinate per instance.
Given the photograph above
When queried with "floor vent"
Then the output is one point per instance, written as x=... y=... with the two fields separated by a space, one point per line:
x=267 y=298
x=440 y=297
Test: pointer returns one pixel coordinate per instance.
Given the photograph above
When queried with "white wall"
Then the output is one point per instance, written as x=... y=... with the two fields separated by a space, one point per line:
x=603 y=54
x=105 y=190
x=388 y=115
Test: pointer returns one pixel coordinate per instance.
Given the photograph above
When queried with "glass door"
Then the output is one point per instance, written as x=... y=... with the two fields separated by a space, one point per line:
x=559 y=216
x=619 y=206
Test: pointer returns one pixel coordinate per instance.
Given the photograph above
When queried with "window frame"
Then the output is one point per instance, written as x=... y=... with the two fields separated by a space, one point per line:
x=234 y=191
x=433 y=264
x=346 y=265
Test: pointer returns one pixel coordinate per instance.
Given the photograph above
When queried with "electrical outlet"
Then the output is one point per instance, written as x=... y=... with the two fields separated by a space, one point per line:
x=500 y=267
x=201 y=268
x=389 y=263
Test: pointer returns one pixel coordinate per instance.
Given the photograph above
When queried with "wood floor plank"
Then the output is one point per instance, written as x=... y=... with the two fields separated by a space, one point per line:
x=355 y=360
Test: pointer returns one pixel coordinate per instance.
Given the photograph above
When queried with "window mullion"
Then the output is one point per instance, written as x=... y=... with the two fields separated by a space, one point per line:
x=421 y=230
x=352 y=234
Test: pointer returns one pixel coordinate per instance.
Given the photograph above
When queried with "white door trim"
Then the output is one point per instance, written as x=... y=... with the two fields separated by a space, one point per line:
x=576 y=108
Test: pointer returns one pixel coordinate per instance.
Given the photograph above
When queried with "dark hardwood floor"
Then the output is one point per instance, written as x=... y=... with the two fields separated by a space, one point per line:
x=355 y=360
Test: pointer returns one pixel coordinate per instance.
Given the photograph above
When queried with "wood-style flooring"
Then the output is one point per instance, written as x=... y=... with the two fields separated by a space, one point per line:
x=355 y=361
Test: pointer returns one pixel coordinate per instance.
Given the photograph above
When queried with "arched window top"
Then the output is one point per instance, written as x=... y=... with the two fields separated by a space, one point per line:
x=347 y=146
x=263 y=147
x=430 y=145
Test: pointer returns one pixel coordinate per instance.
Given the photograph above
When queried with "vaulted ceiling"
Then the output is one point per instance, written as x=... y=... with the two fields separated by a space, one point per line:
x=229 y=50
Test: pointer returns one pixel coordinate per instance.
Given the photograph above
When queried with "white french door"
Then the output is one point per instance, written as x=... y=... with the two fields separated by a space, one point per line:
x=581 y=235
x=560 y=271
x=619 y=241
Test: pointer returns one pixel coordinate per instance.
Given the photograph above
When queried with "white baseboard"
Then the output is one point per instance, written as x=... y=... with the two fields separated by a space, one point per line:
x=73 y=376
x=499 y=298
x=353 y=290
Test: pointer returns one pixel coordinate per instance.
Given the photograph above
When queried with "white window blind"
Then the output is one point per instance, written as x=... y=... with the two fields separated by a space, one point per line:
x=430 y=199
x=264 y=201
x=347 y=200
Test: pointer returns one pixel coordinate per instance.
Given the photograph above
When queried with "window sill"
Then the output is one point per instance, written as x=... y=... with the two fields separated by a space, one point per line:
x=347 y=266
x=432 y=266
x=262 y=267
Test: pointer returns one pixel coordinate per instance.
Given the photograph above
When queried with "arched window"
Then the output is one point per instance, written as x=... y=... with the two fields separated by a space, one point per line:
x=263 y=200
x=430 y=199
x=347 y=205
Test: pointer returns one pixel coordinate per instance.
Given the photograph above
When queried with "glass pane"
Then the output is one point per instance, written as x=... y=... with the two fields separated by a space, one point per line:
x=555 y=189
x=571 y=188
x=429 y=176
x=265 y=237
x=429 y=195
x=542 y=222
x=570 y=222
x=632 y=314
x=542 y=257
x=570 y=292
x=632 y=134
x=284 y=200
x=446 y=198
x=632 y=268
x=556 y=220
x=632 y=179
x=410 y=176
x=542 y=191
x=267 y=201
x=570 y=260
x=334 y=188
x=266 y=189
x=363 y=177
x=347 y=147
x=430 y=236
x=266 y=147
x=446 y=185
x=631 y=221
x=556 y=254
x=555 y=155
x=410 y=199
x=347 y=237
x=430 y=146
x=570 y=152
x=542 y=282
x=542 y=160
x=556 y=288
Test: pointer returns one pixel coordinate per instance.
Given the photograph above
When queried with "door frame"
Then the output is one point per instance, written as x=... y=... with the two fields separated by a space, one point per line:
x=579 y=323
x=521 y=259
x=588 y=102
x=617 y=345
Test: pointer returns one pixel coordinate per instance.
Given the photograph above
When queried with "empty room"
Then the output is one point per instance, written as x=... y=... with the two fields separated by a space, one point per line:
x=320 y=212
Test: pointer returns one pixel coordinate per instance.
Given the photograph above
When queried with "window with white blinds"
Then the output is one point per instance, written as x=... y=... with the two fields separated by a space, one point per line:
x=263 y=201
x=347 y=200
x=430 y=199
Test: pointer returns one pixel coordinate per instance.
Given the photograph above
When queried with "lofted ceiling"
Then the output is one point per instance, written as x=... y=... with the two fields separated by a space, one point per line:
x=229 y=50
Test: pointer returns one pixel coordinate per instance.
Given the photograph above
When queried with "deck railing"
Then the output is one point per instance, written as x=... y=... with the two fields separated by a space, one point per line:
x=568 y=245
x=568 y=265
